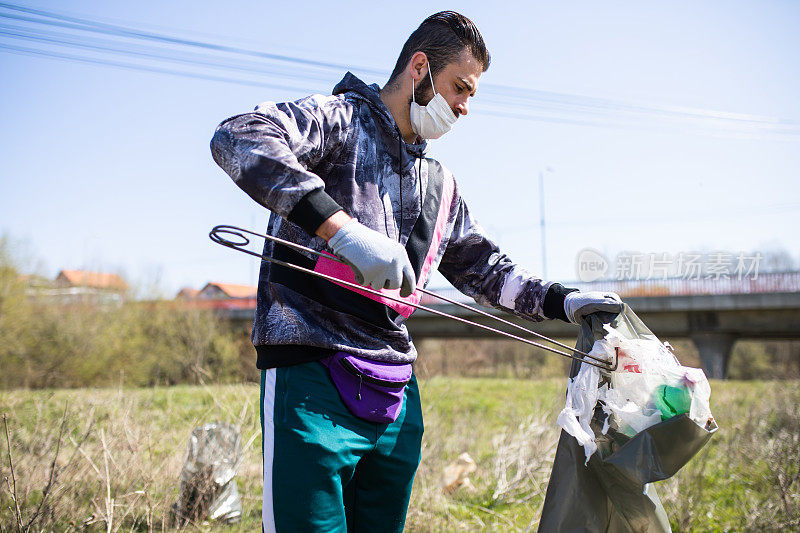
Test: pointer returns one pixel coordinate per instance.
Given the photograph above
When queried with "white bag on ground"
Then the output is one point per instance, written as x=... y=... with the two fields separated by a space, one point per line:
x=208 y=477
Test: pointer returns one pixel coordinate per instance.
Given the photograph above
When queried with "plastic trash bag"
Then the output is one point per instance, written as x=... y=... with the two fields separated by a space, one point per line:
x=612 y=490
x=208 y=485
x=648 y=386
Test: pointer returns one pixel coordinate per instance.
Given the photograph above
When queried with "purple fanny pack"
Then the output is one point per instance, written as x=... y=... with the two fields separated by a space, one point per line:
x=371 y=390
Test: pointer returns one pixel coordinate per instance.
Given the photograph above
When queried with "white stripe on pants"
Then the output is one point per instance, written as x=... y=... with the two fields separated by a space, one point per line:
x=268 y=434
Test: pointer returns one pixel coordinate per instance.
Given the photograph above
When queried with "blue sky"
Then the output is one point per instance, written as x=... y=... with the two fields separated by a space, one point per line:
x=107 y=168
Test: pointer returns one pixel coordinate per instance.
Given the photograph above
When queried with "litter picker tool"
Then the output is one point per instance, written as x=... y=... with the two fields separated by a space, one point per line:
x=236 y=238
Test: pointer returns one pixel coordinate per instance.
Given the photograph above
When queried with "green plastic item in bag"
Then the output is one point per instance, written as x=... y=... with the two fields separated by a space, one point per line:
x=672 y=401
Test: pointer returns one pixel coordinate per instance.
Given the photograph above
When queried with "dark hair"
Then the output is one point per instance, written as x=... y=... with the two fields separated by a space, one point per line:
x=442 y=37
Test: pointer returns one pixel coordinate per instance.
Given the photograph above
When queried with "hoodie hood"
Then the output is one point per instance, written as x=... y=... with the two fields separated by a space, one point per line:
x=383 y=117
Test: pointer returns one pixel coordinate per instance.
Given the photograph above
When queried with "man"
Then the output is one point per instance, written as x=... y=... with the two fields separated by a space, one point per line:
x=347 y=174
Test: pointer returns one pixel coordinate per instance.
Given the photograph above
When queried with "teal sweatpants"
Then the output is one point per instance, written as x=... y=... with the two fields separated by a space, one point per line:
x=327 y=470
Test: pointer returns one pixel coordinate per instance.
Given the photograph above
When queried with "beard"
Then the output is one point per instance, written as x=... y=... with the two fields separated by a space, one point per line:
x=424 y=92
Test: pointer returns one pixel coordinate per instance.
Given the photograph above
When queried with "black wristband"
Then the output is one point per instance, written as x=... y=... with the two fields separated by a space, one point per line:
x=553 y=306
x=312 y=210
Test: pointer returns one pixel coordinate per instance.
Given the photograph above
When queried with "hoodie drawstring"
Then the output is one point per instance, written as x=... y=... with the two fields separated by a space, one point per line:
x=400 y=173
x=419 y=180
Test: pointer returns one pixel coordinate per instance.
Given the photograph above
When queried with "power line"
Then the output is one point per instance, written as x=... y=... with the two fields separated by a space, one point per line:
x=112 y=29
x=100 y=45
x=256 y=83
x=504 y=101
x=132 y=66
x=109 y=46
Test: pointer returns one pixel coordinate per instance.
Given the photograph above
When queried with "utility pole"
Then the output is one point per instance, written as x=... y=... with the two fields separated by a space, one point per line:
x=542 y=222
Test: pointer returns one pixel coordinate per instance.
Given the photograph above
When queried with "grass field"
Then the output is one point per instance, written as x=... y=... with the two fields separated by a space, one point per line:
x=122 y=449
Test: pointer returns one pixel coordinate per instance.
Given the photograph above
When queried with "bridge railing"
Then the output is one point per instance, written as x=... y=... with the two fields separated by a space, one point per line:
x=764 y=283
x=772 y=282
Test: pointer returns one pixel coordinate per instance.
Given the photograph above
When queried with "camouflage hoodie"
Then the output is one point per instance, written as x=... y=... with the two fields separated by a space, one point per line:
x=307 y=159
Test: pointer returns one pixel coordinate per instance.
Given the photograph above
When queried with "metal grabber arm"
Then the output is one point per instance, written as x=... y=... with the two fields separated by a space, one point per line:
x=220 y=235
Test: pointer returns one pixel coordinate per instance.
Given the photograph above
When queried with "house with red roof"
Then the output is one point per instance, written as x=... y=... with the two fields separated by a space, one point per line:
x=187 y=293
x=226 y=291
x=91 y=280
x=83 y=286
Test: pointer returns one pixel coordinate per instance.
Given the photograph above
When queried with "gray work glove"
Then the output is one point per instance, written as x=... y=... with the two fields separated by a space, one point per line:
x=377 y=260
x=578 y=304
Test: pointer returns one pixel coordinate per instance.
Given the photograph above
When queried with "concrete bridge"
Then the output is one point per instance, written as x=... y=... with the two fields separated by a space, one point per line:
x=712 y=313
x=712 y=321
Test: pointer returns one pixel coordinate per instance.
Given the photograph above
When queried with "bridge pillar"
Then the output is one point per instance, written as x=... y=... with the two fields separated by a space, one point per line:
x=715 y=350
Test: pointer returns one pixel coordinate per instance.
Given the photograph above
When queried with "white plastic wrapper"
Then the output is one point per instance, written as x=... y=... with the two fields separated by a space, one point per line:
x=648 y=386
x=582 y=394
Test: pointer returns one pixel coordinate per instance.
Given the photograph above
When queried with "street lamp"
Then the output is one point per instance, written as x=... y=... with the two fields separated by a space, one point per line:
x=542 y=224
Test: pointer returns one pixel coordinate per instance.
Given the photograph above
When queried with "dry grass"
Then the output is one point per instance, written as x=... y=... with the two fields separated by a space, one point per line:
x=110 y=459
x=127 y=448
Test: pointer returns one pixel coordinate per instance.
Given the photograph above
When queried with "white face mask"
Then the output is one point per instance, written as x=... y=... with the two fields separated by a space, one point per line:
x=433 y=120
